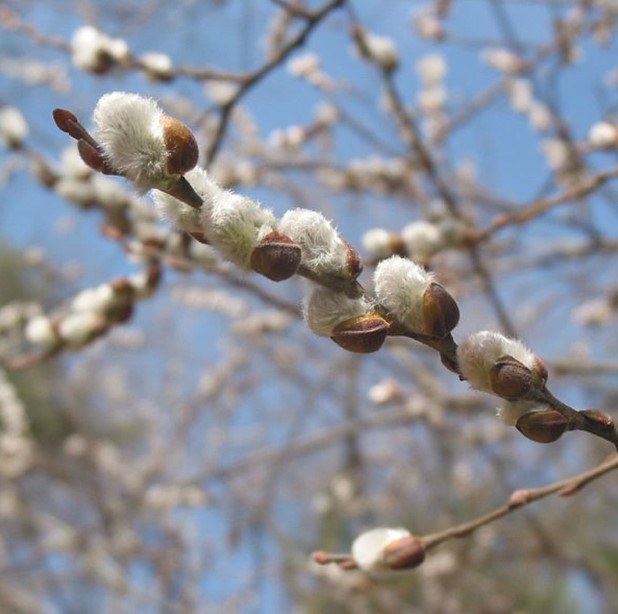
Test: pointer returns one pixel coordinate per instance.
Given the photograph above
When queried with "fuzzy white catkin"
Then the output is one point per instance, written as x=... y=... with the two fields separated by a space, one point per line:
x=381 y=50
x=323 y=309
x=75 y=190
x=503 y=60
x=98 y=299
x=422 y=239
x=40 y=331
x=157 y=65
x=556 y=153
x=428 y=26
x=477 y=354
x=520 y=94
x=431 y=69
x=180 y=214
x=92 y=50
x=603 y=135
x=540 y=116
x=235 y=225
x=400 y=285
x=304 y=65
x=369 y=547
x=109 y=193
x=73 y=166
x=322 y=249
x=129 y=129
x=378 y=242
x=184 y=216
x=76 y=329
x=13 y=126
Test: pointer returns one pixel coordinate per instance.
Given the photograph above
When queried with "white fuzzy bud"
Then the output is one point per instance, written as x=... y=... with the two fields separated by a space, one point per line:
x=557 y=153
x=77 y=329
x=220 y=92
x=422 y=239
x=596 y=312
x=72 y=164
x=429 y=27
x=378 y=49
x=76 y=191
x=540 y=116
x=13 y=126
x=290 y=138
x=603 y=135
x=323 y=309
x=97 y=300
x=478 y=353
x=129 y=129
x=96 y=52
x=158 y=66
x=503 y=60
x=108 y=192
x=521 y=95
x=369 y=548
x=322 y=249
x=180 y=214
x=431 y=69
x=235 y=224
x=384 y=391
x=432 y=99
x=40 y=331
x=400 y=285
x=306 y=65
x=326 y=114
x=378 y=242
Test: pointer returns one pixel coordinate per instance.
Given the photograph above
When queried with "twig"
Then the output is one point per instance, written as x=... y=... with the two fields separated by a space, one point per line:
x=521 y=498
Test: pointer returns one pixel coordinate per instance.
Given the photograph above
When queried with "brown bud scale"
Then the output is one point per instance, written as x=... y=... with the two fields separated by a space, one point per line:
x=404 y=553
x=64 y=118
x=542 y=426
x=363 y=334
x=440 y=311
x=181 y=146
x=354 y=263
x=276 y=257
x=511 y=379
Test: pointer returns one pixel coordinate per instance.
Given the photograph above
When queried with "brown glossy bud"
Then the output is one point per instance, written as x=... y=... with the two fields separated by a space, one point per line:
x=440 y=311
x=92 y=157
x=354 y=263
x=542 y=426
x=511 y=379
x=276 y=257
x=540 y=372
x=404 y=553
x=66 y=121
x=449 y=363
x=363 y=334
x=182 y=150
